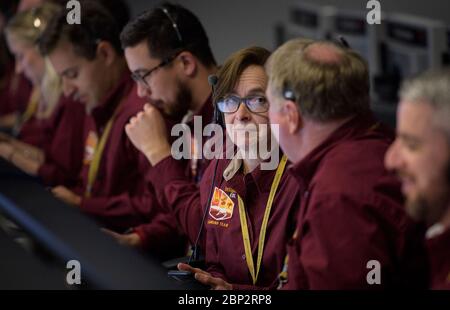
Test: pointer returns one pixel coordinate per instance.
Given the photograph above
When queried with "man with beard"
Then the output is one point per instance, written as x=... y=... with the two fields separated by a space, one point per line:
x=168 y=53
x=421 y=157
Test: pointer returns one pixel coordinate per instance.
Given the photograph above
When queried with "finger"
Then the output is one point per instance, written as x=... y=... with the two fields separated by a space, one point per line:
x=56 y=190
x=185 y=267
x=133 y=121
x=209 y=280
x=109 y=232
x=148 y=107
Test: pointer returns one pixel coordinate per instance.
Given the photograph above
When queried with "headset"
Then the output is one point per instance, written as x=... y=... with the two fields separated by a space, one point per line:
x=196 y=256
x=217 y=117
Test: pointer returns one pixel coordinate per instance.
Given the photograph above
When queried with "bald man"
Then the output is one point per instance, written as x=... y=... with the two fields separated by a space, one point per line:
x=352 y=231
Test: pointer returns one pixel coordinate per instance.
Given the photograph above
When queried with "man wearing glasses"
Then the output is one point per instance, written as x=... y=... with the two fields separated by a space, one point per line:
x=168 y=53
x=112 y=186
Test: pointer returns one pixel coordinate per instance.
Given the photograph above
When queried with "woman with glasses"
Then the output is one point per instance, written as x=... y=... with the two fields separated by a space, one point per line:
x=239 y=215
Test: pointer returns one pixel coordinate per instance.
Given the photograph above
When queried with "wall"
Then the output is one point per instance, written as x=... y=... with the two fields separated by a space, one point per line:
x=233 y=24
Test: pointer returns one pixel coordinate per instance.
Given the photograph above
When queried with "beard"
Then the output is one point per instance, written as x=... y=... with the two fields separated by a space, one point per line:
x=175 y=111
x=429 y=210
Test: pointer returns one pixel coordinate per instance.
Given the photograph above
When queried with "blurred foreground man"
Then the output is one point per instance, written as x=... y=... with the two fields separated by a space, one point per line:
x=421 y=157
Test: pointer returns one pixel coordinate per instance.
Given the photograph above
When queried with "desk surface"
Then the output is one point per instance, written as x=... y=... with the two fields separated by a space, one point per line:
x=20 y=270
x=68 y=235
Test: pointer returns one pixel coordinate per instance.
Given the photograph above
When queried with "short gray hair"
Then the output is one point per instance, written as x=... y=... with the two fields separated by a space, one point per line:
x=433 y=88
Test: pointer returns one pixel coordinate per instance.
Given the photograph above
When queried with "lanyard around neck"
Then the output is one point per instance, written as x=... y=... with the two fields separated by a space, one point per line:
x=98 y=152
x=262 y=235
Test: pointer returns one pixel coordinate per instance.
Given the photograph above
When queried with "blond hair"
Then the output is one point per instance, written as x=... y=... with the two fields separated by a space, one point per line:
x=27 y=27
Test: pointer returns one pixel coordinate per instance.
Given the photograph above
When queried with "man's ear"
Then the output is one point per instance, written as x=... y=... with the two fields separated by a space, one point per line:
x=188 y=63
x=293 y=115
x=106 y=52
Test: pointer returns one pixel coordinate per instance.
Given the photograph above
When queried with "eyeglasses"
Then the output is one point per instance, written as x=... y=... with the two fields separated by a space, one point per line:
x=138 y=78
x=255 y=103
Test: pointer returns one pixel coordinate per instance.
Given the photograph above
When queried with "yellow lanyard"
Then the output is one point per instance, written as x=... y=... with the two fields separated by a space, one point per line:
x=32 y=106
x=262 y=234
x=98 y=152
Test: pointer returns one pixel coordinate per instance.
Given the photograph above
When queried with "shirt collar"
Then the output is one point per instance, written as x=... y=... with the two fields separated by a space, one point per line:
x=359 y=125
x=103 y=112
x=435 y=231
x=206 y=112
x=262 y=178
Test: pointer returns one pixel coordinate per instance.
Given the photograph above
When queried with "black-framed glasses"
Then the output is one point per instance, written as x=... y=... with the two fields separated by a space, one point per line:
x=142 y=78
x=255 y=103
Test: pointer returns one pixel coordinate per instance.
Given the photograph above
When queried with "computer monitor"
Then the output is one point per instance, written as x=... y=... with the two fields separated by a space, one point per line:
x=308 y=20
x=414 y=44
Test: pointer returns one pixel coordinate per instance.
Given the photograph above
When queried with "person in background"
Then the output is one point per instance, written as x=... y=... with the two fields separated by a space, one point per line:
x=50 y=135
x=111 y=185
x=15 y=89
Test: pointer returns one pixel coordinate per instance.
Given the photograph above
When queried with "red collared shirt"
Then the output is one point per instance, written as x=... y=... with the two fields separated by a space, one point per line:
x=438 y=248
x=64 y=146
x=351 y=213
x=147 y=231
x=222 y=237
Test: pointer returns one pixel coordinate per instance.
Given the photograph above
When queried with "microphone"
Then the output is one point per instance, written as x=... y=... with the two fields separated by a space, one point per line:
x=217 y=117
x=212 y=80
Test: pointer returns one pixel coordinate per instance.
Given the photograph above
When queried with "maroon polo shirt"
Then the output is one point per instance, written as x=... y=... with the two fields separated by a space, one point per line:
x=119 y=196
x=15 y=91
x=31 y=132
x=221 y=240
x=351 y=212
x=64 y=148
x=438 y=248
x=146 y=231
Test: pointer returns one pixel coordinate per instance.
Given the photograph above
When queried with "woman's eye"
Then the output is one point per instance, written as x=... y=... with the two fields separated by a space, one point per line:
x=258 y=100
x=230 y=101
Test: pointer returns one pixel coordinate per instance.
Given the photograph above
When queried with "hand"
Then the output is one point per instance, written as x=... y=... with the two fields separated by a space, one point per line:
x=66 y=195
x=206 y=278
x=6 y=150
x=131 y=240
x=147 y=131
x=4 y=137
x=26 y=164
